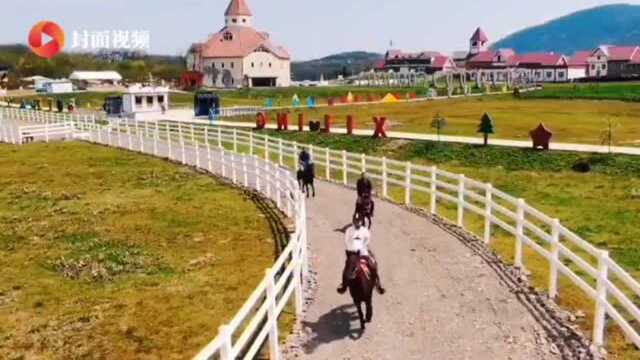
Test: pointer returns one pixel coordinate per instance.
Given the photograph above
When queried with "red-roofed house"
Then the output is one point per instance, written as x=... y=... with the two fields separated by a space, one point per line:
x=491 y=65
x=240 y=56
x=578 y=65
x=427 y=62
x=479 y=42
x=615 y=62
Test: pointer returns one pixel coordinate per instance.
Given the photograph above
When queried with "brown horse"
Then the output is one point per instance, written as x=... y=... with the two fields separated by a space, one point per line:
x=360 y=281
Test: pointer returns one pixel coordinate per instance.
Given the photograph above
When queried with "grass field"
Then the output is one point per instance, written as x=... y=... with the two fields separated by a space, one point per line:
x=627 y=91
x=575 y=121
x=109 y=254
x=603 y=206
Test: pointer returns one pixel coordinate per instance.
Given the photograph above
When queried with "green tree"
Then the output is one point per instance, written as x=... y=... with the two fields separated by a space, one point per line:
x=438 y=123
x=486 y=127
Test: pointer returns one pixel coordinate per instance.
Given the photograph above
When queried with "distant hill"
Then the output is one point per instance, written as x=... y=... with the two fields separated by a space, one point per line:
x=333 y=65
x=584 y=30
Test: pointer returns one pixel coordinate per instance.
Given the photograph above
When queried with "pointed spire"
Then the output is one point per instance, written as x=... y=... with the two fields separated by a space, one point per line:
x=238 y=8
x=479 y=36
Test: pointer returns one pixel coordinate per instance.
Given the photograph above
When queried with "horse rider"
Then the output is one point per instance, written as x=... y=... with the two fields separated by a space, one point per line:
x=357 y=239
x=304 y=158
x=364 y=186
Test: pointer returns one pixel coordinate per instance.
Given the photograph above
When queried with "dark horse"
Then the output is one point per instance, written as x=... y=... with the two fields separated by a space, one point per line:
x=364 y=209
x=360 y=281
x=306 y=177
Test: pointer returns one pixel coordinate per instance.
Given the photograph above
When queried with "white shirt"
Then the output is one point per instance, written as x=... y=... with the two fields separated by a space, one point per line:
x=358 y=240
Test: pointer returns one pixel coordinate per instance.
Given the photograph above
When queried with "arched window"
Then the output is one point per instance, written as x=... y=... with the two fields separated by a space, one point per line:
x=228 y=36
x=234 y=20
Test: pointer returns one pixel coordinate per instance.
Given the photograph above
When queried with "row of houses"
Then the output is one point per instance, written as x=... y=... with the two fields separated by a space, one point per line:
x=483 y=64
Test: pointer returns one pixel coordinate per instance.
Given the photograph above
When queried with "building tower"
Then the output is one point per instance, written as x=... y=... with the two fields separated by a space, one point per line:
x=479 y=42
x=238 y=13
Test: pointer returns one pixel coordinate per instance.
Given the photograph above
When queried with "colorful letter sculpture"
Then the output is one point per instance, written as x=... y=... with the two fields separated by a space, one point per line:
x=269 y=103
x=300 y=122
x=350 y=97
x=328 y=121
x=331 y=101
x=389 y=98
x=311 y=102
x=380 y=131
x=351 y=124
x=541 y=137
x=314 y=126
x=261 y=121
x=283 y=122
x=295 y=101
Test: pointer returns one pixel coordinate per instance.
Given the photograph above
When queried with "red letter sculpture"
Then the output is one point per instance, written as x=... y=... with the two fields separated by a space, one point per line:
x=380 y=127
x=328 y=120
x=261 y=121
x=351 y=124
x=301 y=122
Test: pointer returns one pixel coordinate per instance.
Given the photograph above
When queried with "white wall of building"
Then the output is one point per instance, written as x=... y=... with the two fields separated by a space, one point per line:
x=264 y=65
x=58 y=87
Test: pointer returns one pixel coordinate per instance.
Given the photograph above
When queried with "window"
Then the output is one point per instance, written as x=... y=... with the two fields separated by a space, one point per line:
x=604 y=66
x=232 y=64
x=160 y=99
x=549 y=74
x=593 y=66
x=222 y=65
x=138 y=100
x=227 y=36
x=244 y=20
x=269 y=64
x=149 y=101
x=234 y=21
x=253 y=65
x=561 y=75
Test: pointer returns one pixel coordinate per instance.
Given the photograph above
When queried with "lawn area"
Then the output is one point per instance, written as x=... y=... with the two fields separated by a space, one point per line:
x=110 y=254
x=627 y=91
x=574 y=121
x=602 y=206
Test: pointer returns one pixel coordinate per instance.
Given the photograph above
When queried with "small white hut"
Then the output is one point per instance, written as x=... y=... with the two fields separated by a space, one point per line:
x=145 y=103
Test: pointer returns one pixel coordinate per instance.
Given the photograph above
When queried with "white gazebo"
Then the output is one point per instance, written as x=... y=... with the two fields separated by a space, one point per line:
x=145 y=102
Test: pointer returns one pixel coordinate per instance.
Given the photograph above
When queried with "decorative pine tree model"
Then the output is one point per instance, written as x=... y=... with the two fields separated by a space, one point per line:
x=438 y=123
x=486 y=127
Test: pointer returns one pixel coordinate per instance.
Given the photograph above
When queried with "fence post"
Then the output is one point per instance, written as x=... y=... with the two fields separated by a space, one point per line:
x=599 y=321
x=209 y=157
x=193 y=134
x=141 y=139
x=488 y=210
x=280 y=155
x=168 y=140
x=235 y=140
x=256 y=168
x=183 y=155
x=130 y=137
x=223 y=163
x=155 y=139
x=197 y=145
x=244 y=171
x=267 y=179
x=272 y=317
x=407 y=184
x=461 y=179
x=266 y=148
x=555 y=258
x=219 y=137
x=327 y=163
x=345 y=167
x=519 y=233
x=225 y=348
x=434 y=190
x=298 y=269
x=234 y=174
x=385 y=184
x=251 y=143
x=363 y=162
x=295 y=156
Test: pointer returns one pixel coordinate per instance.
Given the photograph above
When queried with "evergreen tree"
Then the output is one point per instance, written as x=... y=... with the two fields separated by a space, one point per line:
x=486 y=127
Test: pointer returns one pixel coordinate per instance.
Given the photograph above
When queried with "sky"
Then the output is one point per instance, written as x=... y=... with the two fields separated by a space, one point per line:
x=307 y=29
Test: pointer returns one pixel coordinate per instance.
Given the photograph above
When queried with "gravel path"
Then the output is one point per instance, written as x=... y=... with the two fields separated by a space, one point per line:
x=443 y=301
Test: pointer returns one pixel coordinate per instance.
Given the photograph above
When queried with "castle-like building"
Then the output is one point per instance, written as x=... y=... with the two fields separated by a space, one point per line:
x=238 y=55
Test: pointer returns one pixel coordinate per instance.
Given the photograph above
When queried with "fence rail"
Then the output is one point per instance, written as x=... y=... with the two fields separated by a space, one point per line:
x=615 y=292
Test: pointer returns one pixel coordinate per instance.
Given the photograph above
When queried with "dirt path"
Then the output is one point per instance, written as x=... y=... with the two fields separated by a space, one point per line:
x=443 y=301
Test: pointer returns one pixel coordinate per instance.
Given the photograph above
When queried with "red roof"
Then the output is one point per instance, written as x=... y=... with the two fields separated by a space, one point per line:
x=636 y=58
x=619 y=53
x=238 y=8
x=239 y=41
x=507 y=56
x=479 y=35
x=579 y=59
x=440 y=61
x=541 y=59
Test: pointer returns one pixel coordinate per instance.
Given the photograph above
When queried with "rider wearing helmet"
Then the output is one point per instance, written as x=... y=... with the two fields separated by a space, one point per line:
x=357 y=240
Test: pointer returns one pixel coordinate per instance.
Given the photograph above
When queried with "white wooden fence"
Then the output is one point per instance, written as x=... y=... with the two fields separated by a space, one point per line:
x=615 y=293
